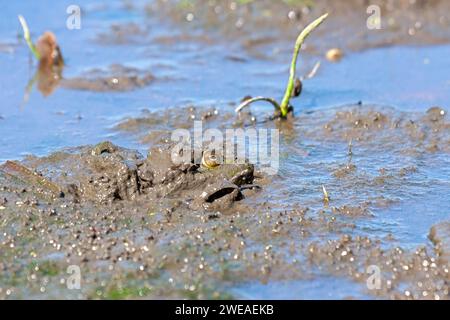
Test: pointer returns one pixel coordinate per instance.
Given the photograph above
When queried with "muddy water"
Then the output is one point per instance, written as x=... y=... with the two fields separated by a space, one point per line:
x=387 y=195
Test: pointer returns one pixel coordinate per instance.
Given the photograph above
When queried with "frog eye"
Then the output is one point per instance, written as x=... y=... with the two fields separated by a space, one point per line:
x=209 y=160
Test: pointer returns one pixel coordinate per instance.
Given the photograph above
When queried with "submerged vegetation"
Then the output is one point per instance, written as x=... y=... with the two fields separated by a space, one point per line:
x=285 y=106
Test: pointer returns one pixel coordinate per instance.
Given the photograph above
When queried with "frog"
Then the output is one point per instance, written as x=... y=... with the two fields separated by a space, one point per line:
x=106 y=173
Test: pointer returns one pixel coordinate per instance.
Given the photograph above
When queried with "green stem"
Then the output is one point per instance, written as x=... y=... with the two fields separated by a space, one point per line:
x=26 y=36
x=252 y=100
x=298 y=44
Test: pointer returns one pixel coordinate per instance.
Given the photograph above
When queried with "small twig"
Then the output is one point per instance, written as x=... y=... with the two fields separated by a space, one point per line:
x=326 y=198
x=314 y=70
x=350 y=151
x=27 y=37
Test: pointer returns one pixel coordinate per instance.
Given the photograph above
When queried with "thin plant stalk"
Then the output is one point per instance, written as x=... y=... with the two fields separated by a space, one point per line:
x=326 y=197
x=27 y=37
x=298 y=45
x=283 y=108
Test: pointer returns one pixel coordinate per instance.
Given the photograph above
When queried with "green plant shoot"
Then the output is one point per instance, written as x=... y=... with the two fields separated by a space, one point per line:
x=298 y=45
x=27 y=37
x=283 y=108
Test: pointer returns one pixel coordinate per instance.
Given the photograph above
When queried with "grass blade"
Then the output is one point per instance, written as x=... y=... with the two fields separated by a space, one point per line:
x=26 y=36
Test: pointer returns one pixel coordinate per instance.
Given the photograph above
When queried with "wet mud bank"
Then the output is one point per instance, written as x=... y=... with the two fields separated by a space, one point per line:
x=140 y=227
x=257 y=24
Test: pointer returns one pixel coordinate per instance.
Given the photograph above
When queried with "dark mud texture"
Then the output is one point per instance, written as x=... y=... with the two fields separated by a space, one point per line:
x=140 y=227
x=116 y=78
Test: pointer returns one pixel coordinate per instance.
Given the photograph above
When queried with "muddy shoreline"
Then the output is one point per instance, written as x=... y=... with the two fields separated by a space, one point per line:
x=259 y=24
x=140 y=247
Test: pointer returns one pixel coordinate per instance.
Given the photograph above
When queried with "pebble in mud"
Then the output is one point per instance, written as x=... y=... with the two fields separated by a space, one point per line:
x=334 y=55
x=436 y=113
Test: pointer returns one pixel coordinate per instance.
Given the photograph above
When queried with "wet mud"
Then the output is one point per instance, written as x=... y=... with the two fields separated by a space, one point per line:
x=115 y=78
x=189 y=232
x=258 y=23
x=361 y=187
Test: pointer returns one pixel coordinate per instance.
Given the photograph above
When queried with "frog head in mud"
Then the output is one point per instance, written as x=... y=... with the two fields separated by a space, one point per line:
x=223 y=182
x=204 y=183
x=106 y=173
